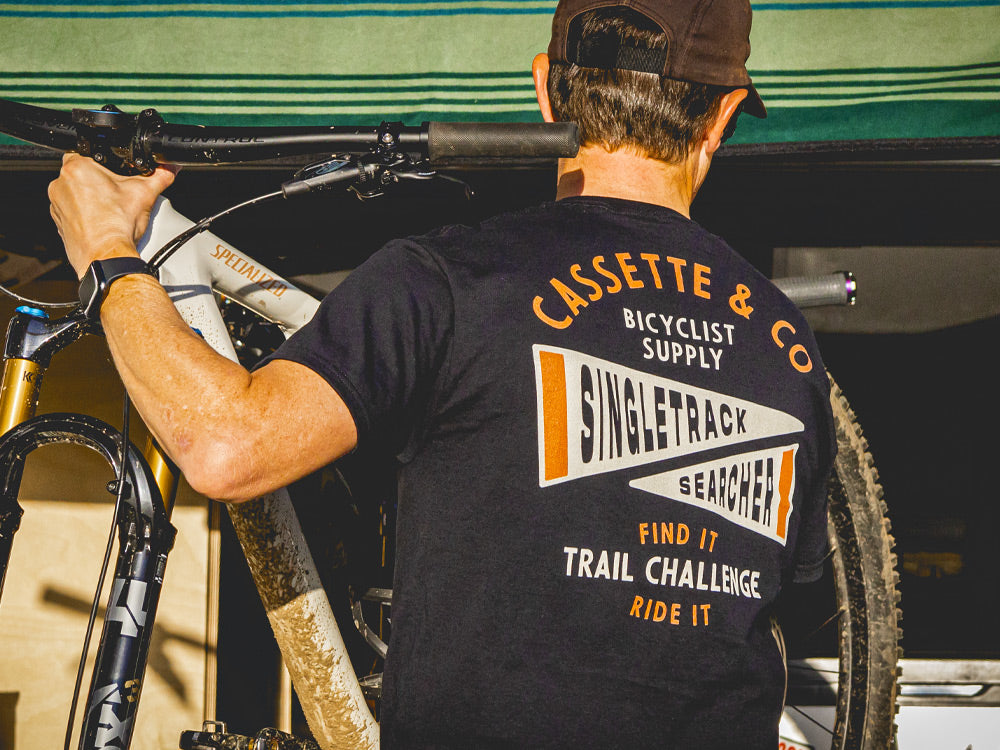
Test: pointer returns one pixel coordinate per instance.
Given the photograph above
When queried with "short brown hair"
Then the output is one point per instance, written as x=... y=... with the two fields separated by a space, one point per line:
x=655 y=116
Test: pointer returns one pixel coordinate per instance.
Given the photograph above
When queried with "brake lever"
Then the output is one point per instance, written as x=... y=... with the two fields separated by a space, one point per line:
x=370 y=175
x=380 y=169
x=423 y=171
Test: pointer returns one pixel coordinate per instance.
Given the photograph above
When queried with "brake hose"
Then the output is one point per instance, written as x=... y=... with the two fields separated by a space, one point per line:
x=121 y=488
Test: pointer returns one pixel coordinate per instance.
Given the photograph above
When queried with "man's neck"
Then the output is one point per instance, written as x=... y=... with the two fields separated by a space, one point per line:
x=621 y=174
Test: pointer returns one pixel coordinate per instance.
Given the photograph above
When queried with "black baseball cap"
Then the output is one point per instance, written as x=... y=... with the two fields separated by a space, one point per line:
x=708 y=41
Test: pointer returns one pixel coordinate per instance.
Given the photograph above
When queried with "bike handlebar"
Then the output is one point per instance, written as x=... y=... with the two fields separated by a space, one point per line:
x=498 y=139
x=44 y=127
x=181 y=144
x=138 y=142
x=837 y=288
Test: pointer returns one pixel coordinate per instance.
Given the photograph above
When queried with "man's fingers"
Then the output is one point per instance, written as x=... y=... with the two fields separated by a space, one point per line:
x=164 y=176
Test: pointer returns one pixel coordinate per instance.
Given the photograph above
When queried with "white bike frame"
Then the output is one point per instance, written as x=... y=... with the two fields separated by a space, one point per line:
x=268 y=528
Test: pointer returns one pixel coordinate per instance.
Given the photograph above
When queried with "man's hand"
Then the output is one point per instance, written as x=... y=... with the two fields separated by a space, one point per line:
x=100 y=214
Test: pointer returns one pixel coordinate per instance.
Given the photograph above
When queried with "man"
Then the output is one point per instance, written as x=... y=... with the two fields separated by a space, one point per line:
x=613 y=433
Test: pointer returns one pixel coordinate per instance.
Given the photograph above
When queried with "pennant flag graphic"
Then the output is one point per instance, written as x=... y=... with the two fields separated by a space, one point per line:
x=596 y=416
x=753 y=490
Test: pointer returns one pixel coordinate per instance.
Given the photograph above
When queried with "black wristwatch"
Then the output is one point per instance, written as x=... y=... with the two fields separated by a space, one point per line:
x=95 y=283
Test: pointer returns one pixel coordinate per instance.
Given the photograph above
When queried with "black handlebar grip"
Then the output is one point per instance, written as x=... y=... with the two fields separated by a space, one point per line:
x=838 y=288
x=470 y=140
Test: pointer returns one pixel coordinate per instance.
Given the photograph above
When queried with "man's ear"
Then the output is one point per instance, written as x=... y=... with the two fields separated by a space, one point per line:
x=728 y=108
x=540 y=74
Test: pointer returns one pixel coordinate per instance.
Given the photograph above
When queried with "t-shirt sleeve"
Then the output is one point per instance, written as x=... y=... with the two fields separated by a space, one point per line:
x=812 y=545
x=379 y=339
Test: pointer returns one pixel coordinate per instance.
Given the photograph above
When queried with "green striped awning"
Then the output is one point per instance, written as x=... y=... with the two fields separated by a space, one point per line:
x=827 y=70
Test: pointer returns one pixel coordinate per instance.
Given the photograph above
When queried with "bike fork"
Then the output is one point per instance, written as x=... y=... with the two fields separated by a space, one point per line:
x=26 y=358
x=144 y=530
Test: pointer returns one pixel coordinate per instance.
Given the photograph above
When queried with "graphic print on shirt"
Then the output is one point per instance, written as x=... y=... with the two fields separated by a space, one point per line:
x=596 y=416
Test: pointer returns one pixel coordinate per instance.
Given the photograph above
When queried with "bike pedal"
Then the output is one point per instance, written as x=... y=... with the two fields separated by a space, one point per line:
x=214 y=736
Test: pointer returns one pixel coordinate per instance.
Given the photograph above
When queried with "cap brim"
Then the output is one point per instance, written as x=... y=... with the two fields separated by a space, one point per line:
x=753 y=105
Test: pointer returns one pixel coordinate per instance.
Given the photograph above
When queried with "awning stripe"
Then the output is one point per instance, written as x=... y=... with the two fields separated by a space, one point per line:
x=28 y=86
x=843 y=76
x=399 y=8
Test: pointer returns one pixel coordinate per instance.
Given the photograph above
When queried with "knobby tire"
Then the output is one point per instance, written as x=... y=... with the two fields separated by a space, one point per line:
x=866 y=582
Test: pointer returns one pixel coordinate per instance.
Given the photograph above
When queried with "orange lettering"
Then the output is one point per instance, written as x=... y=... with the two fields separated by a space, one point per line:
x=800 y=366
x=678 y=264
x=573 y=300
x=781 y=325
x=574 y=271
x=617 y=283
x=796 y=353
x=636 y=610
x=704 y=610
x=627 y=270
x=653 y=260
x=536 y=305
x=701 y=281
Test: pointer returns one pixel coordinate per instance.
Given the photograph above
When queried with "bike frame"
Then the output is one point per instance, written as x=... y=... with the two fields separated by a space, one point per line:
x=206 y=263
x=268 y=528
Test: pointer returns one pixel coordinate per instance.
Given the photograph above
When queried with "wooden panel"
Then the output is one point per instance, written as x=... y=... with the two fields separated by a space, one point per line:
x=50 y=584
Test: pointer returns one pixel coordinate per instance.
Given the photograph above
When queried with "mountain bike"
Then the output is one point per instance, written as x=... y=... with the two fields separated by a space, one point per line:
x=196 y=267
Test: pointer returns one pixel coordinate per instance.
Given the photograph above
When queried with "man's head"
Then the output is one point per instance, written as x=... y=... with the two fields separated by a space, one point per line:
x=647 y=75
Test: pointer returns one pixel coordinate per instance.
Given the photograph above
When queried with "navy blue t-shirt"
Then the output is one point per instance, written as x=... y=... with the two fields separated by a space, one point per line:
x=614 y=437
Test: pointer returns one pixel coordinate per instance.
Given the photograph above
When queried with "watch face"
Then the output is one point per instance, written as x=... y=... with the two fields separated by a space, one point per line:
x=89 y=288
x=101 y=273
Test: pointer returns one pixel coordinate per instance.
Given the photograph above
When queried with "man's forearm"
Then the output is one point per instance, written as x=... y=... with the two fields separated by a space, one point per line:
x=180 y=386
x=234 y=434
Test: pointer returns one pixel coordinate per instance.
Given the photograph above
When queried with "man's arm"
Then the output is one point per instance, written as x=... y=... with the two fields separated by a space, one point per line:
x=233 y=433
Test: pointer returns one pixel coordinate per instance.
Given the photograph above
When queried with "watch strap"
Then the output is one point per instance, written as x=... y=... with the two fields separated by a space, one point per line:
x=100 y=275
